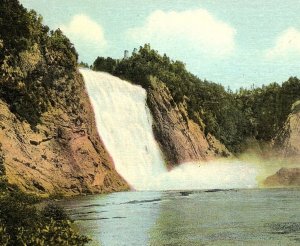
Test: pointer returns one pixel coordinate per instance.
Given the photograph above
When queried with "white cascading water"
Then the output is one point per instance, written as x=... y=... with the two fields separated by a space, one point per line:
x=125 y=126
x=124 y=123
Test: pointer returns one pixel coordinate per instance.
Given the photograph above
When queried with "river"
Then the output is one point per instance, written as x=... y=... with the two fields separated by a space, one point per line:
x=202 y=217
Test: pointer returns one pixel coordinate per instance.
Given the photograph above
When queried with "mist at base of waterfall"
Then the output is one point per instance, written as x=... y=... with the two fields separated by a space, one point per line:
x=217 y=174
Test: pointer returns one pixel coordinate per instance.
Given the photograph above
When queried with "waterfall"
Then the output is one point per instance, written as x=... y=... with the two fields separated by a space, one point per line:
x=124 y=123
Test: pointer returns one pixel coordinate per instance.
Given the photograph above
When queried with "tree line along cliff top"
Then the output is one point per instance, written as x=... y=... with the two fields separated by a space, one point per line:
x=233 y=117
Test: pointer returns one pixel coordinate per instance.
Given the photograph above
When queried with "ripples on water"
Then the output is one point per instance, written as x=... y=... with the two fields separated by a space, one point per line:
x=208 y=217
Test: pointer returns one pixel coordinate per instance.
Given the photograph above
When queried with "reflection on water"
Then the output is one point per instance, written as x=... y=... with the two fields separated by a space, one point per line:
x=212 y=217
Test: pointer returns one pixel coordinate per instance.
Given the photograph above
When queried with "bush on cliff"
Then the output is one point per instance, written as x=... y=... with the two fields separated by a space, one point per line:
x=32 y=58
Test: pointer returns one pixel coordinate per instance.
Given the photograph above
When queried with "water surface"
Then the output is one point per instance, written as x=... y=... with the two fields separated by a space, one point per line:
x=207 y=217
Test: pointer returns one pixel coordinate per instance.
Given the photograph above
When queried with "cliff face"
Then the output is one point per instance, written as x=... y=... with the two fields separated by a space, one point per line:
x=180 y=138
x=287 y=146
x=63 y=154
x=287 y=142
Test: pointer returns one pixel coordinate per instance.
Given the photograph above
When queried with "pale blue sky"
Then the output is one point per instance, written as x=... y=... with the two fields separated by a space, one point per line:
x=232 y=42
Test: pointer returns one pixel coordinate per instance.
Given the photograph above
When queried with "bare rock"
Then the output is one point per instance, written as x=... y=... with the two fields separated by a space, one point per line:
x=284 y=177
x=179 y=137
x=287 y=142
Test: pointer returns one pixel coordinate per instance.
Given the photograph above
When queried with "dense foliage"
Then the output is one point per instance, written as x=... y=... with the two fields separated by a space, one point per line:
x=266 y=108
x=32 y=58
x=21 y=223
x=232 y=117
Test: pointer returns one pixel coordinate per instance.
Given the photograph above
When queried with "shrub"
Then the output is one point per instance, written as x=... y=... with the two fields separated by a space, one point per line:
x=21 y=223
x=53 y=211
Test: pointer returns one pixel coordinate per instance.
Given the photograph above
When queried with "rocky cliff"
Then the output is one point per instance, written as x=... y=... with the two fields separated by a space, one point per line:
x=180 y=138
x=287 y=147
x=63 y=154
x=48 y=137
x=287 y=142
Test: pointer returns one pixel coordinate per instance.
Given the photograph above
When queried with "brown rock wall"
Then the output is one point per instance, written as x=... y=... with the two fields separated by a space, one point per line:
x=64 y=154
x=180 y=138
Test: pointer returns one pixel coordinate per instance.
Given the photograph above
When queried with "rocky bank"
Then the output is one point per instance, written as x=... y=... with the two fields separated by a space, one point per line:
x=284 y=177
x=179 y=137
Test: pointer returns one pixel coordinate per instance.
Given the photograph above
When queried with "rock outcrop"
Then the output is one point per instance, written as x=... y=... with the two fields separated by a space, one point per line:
x=180 y=138
x=284 y=177
x=287 y=142
x=63 y=154
x=286 y=146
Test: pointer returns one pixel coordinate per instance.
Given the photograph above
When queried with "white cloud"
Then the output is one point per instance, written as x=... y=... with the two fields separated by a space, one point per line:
x=195 y=30
x=86 y=34
x=287 y=45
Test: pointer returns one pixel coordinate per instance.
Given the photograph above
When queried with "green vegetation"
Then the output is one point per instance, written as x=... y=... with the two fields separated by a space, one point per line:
x=267 y=108
x=36 y=64
x=232 y=117
x=83 y=65
x=105 y=64
x=21 y=223
x=37 y=68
